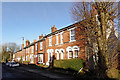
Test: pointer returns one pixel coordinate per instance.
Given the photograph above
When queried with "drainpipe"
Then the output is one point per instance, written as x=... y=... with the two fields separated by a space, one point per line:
x=25 y=54
x=45 y=49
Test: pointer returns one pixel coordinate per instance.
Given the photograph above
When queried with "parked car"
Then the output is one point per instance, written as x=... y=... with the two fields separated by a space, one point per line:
x=8 y=63
x=14 y=64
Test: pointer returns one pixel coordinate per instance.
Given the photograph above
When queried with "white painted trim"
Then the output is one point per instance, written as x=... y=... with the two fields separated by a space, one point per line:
x=77 y=48
x=41 y=55
x=71 y=28
x=51 y=50
x=41 y=45
x=49 y=40
x=60 y=37
x=70 y=35
x=68 y=48
x=48 y=50
x=72 y=41
x=68 y=54
x=57 y=51
x=57 y=39
x=62 y=52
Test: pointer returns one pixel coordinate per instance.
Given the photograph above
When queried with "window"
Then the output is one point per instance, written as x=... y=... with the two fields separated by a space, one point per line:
x=50 y=41
x=56 y=38
x=70 y=54
x=27 y=57
x=40 y=58
x=31 y=58
x=32 y=49
x=36 y=47
x=28 y=50
x=61 y=38
x=76 y=54
x=72 y=35
x=41 y=45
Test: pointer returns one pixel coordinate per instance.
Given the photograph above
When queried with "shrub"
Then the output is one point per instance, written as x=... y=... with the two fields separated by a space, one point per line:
x=43 y=65
x=74 y=64
x=26 y=61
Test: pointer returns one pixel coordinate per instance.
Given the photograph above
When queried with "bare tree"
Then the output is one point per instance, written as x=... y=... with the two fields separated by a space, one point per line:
x=12 y=47
x=98 y=19
x=5 y=54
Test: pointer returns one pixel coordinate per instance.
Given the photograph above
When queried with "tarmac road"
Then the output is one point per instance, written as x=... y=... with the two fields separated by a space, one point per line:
x=16 y=74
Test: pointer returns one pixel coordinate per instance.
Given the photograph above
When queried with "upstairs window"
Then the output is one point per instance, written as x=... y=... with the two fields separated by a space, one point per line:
x=32 y=49
x=56 y=38
x=72 y=35
x=36 y=47
x=61 y=38
x=28 y=50
x=50 y=41
x=41 y=45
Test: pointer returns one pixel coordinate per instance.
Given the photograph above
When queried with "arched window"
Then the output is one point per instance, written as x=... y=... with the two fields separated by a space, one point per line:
x=62 y=52
x=57 y=51
x=70 y=53
x=75 y=51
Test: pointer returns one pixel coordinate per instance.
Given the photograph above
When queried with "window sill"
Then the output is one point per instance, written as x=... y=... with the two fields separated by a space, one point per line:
x=72 y=40
x=61 y=43
x=41 y=49
x=56 y=44
x=49 y=45
x=40 y=62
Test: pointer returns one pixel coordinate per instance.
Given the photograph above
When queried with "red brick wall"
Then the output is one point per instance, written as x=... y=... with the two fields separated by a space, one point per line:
x=66 y=38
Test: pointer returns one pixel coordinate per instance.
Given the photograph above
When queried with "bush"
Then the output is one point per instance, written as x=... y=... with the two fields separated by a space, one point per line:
x=26 y=61
x=74 y=64
x=43 y=65
x=113 y=73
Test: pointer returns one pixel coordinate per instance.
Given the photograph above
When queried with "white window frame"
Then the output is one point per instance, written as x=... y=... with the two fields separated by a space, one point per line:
x=61 y=37
x=36 y=47
x=57 y=39
x=72 y=35
x=39 y=57
x=28 y=50
x=50 y=41
x=32 y=49
x=41 y=45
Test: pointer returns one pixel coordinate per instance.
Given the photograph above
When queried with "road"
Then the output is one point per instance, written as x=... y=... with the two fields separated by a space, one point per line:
x=16 y=74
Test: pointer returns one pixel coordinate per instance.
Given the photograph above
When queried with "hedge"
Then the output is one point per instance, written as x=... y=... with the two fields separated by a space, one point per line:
x=74 y=64
x=26 y=61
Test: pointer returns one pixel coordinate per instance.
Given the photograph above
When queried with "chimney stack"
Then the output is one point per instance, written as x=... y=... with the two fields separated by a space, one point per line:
x=27 y=42
x=41 y=36
x=35 y=40
x=23 y=43
x=53 y=29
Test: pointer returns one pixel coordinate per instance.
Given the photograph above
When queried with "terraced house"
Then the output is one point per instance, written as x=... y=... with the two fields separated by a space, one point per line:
x=59 y=44
x=65 y=43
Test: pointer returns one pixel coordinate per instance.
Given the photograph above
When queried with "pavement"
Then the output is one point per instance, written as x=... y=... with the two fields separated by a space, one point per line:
x=45 y=72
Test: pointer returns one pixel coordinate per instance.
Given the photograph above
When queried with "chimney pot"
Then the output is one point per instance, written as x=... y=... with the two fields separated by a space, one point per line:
x=41 y=36
x=53 y=29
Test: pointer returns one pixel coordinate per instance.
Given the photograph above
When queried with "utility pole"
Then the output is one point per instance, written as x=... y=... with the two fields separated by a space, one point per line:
x=22 y=48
